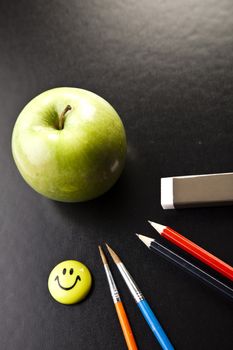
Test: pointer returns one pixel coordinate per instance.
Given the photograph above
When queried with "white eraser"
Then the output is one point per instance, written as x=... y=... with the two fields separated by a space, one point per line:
x=167 y=199
x=197 y=190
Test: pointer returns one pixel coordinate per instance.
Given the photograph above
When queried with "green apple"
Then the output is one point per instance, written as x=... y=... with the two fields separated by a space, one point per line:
x=69 y=144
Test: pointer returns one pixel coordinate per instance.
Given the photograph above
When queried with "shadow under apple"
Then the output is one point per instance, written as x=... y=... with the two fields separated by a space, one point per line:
x=125 y=204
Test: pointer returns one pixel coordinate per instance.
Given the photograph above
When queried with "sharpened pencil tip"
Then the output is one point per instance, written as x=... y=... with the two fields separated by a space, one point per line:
x=114 y=256
x=146 y=240
x=159 y=228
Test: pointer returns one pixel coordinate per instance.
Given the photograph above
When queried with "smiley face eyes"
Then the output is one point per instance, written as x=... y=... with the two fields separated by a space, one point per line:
x=71 y=271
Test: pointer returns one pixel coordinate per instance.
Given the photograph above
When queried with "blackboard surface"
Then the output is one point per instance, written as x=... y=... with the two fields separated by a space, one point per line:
x=167 y=68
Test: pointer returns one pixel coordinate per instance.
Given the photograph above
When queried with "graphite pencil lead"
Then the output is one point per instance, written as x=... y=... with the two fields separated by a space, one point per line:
x=159 y=228
x=103 y=257
x=114 y=256
x=146 y=240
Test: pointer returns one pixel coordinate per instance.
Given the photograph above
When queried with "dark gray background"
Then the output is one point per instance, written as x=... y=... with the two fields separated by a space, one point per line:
x=167 y=68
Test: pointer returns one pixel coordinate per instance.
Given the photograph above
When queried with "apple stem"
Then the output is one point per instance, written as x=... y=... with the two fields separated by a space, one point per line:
x=61 y=119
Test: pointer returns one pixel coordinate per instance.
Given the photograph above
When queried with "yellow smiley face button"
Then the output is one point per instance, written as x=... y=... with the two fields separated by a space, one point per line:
x=69 y=282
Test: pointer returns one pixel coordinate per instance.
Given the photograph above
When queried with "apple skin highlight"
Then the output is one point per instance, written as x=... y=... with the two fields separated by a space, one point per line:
x=71 y=160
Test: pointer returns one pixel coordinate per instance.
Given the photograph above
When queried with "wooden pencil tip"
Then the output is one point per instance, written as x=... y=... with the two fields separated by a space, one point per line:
x=103 y=257
x=114 y=256
x=146 y=240
x=158 y=227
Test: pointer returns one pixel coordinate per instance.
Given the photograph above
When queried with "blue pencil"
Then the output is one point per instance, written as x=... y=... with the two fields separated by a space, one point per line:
x=142 y=303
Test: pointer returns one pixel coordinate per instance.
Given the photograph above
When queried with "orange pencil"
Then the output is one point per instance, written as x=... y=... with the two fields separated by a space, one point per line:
x=124 y=322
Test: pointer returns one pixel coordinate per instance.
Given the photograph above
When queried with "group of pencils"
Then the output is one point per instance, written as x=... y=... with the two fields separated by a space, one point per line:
x=186 y=245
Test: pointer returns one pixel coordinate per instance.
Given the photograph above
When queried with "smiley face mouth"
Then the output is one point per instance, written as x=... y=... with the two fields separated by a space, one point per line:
x=68 y=288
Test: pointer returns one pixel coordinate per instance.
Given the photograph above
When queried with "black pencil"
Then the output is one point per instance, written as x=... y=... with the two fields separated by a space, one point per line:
x=168 y=254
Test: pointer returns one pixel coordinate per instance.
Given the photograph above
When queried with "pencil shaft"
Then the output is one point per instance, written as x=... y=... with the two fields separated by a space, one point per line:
x=123 y=319
x=155 y=325
x=191 y=268
x=198 y=252
x=145 y=309
x=125 y=326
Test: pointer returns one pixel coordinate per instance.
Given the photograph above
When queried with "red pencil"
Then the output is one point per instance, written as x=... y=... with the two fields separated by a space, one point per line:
x=195 y=250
